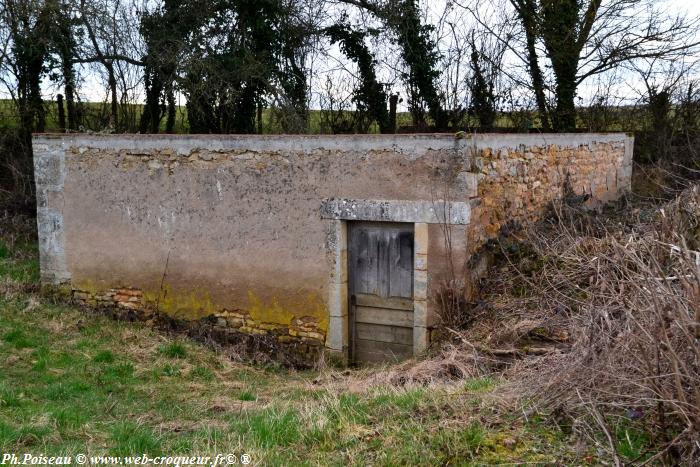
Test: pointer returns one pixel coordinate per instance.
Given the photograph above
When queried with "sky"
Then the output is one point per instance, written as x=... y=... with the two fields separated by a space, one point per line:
x=691 y=6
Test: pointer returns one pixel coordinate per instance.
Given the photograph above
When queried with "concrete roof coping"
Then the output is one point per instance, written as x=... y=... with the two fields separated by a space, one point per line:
x=414 y=142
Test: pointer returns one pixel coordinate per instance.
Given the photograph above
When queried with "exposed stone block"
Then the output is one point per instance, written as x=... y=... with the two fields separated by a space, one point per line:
x=421 y=339
x=421 y=262
x=235 y=322
x=420 y=241
x=252 y=330
x=317 y=336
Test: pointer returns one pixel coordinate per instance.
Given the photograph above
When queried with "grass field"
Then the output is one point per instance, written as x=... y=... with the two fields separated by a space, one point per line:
x=75 y=382
x=96 y=116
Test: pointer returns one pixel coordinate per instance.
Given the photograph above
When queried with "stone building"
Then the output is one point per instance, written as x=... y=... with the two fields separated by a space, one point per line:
x=298 y=242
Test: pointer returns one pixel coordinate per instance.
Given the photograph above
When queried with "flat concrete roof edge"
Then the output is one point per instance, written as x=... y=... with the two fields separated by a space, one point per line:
x=465 y=136
x=408 y=142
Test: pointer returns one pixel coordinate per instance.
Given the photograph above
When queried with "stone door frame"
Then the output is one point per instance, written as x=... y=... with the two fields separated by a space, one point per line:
x=419 y=213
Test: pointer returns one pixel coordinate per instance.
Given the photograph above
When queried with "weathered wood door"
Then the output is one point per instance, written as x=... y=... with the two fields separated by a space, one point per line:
x=380 y=267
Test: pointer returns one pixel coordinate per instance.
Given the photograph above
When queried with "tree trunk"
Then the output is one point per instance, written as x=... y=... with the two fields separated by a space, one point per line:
x=61 y=113
x=538 y=84
x=69 y=89
x=559 y=22
x=70 y=105
x=393 y=101
x=170 y=122
x=37 y=104
x=528 y=15
x=565 y=116
x=114 y=112
x=150 y=119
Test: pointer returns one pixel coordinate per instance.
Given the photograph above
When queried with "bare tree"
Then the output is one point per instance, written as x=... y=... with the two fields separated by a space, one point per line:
x=579 y=40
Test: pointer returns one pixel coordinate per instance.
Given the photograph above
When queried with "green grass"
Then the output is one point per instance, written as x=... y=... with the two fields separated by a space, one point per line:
x=105 y=356
x=173 y=350
x=269 y=428
x=479 y=384
x=247 y=396
x=96 y=116
x=632 y=443
x=75 y=383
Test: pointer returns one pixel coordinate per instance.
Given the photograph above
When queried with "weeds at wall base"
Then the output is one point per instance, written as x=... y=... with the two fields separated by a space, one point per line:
x=256 y=349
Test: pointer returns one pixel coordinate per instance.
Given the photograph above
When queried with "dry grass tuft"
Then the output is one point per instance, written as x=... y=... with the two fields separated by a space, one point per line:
x=617 y=301
x=451 y=364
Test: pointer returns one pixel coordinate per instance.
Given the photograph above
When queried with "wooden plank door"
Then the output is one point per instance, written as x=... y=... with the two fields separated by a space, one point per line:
x=380 y=267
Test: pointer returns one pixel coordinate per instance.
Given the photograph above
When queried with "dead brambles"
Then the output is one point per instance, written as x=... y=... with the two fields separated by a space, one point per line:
x=591 y=322
x=624 y=296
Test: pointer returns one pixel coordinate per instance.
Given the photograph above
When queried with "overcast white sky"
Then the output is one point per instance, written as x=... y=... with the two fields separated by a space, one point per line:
x=689 y=5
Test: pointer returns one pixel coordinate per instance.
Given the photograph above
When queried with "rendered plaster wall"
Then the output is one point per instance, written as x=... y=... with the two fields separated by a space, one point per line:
x=241 y=230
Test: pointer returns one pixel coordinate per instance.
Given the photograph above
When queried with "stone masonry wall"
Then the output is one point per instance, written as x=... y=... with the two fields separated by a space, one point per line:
x=233 y=232
x=516 y=184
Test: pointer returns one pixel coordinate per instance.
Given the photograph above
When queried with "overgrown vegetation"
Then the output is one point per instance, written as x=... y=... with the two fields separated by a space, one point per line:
x=593 y=321
x=370 y=97
x=582 y=348
x=628 y=294
x=75 y=382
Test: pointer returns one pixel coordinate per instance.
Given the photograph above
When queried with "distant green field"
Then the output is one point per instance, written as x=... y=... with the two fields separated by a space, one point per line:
x=95 y=117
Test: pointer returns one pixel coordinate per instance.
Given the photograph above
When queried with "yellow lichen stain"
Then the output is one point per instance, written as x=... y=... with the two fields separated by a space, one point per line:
x=88 y=286
x=196 y=304
x=192 y=305
x=274 y=312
